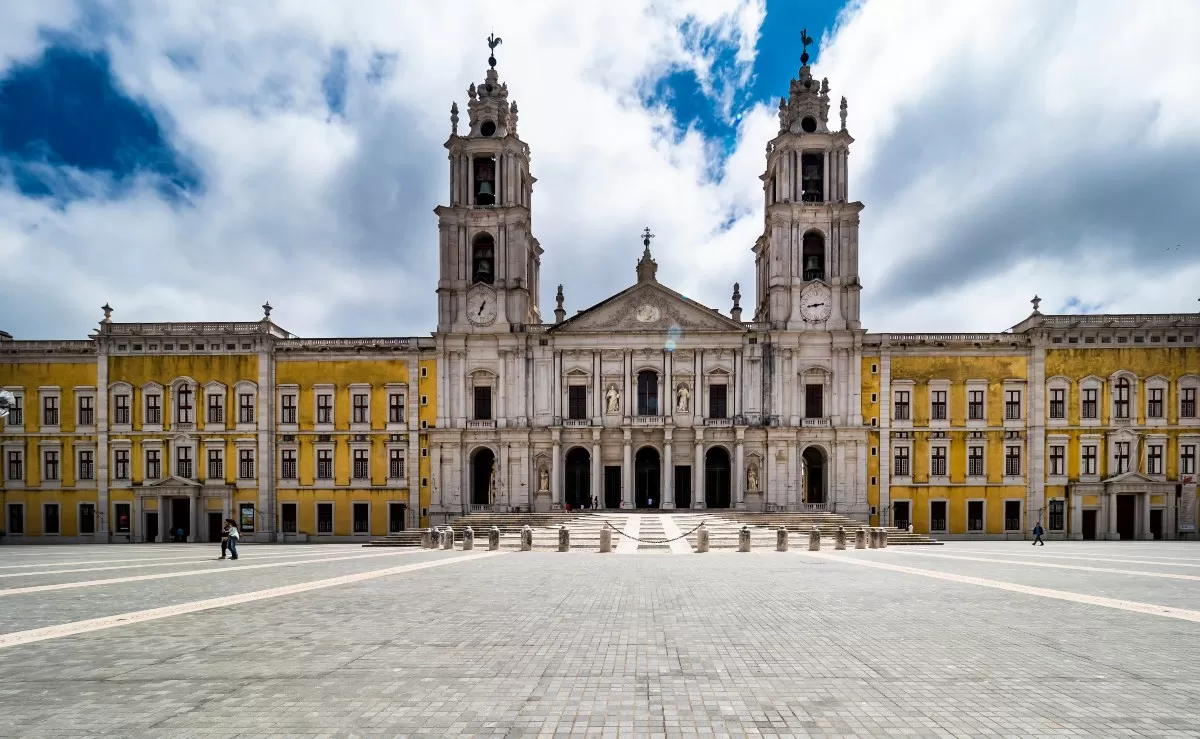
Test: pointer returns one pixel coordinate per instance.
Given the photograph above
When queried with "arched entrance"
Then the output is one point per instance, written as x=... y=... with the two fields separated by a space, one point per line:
x=717 y=478
x=483 y=461
x=646 y=477
x=814 y=474
x=578 y=492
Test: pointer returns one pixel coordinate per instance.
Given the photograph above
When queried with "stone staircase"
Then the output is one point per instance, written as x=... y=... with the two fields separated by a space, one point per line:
x=825 y=522
x=399 y=539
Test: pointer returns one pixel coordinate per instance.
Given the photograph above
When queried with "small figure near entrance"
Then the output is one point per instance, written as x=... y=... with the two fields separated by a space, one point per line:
x=233 y=538
x=1037 y=534
x=685 y=397
x=224 y=539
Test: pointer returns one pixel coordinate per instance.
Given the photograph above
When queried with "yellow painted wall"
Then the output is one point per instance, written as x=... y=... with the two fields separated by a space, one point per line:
x=958 y=369
x=427 y=385
x=958 y=497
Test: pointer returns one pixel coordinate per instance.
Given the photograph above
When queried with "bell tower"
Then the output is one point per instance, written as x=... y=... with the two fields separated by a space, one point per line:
x=490 y=263
x=806 y=261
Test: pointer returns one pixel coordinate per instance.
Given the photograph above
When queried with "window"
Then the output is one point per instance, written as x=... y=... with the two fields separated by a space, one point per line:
x=937 y=461
x=361 y=516
x=485 y=180
x=216 y=409
x=937 y=406
x=87 y=465
x=50 y=518
x=975 y=405
x=153 y=464
x=1121 y=399
x=483 y=402
x=246 y=517
x=324 y=518
x=900 y=469
x=1154 y=459
x=1012 y=515
x=362 y=464
x=121 y=514
x=50 y=466
x=246 y=408
x=577 y=401
x=975 y=461
x=287 y=518
x=246 y=464
x=1058 y=403
x=1058 y=510
x=1154 y=406
x=396 y=464
x=483 y=256
x=287 y=467
x=16 y=519
x=362 y=413
x=324 y=464
x=1057 y=460
x=647 y=393
x=1187 y=459
x=50 y=410
x=121 y=409
x=87 y=411
x=718 y=401
x=396 y=411
x=813 y=245
x=1122 y=457
x=16 y=468
x=1090 y=407
x=325 y=408
x=16 y=413
x=1187 y=402
x=902 y=405
x=184 y=404
x=974 y=515
x=87 y=518
x=121 y=464
x=1012 y=405
x=1012 y=461
x=814 y=401
x=937 y=515
x=287 y=409
x=153 y=408
x=183 y=462
x=216 y=464
x=1088 y=466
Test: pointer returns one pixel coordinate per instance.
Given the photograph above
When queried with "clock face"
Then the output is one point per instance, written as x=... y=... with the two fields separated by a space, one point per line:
x=481 y=307
x=816 y=303
x=647 y=314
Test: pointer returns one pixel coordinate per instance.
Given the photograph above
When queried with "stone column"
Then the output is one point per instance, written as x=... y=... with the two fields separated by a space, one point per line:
x=194 y=529
x=825 y=178
x=739 y=472
x=668 y=498
x=502 y=383
x=1144 y=528
x=1110 y=502
x=556 y=483
x=698 y=474
x=794 y=494
x=1076 y=501
x=597 y=470
x=627 y=471
x=137 y=526
x=162 y=519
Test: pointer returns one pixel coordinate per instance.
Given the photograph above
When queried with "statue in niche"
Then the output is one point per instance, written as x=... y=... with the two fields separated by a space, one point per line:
x=684 y=396
x=752 y=478
x=543 y=480
x=613 y=399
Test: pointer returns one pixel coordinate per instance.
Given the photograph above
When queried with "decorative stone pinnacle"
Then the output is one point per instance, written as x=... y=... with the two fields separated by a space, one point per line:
x=844 y=107
x=1036 y=302
x=737 y=295
x=559 y=297
x=454 y=118
x=107 y=312
x=266 y=310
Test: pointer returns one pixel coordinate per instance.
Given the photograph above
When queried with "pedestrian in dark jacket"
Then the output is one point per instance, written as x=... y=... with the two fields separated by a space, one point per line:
x=1037 y=534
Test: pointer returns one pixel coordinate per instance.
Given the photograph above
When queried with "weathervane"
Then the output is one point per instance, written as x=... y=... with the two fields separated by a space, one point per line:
x=805 y=39
x=493 y=42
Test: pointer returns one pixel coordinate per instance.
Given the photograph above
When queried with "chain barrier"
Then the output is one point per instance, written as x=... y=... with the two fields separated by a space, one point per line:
x=651 y=541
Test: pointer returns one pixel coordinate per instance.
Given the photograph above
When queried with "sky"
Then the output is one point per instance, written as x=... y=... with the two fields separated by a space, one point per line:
x=187 y=161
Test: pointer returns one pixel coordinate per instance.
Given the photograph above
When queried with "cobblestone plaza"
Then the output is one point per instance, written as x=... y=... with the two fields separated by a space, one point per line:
x=967 y=639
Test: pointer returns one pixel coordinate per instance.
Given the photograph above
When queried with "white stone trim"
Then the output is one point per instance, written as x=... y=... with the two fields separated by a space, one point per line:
x=150 y=389
x=317 y=517
x=280 y=392
x=901 y=386
x=360 y=388
x=115 y=447
x=46 y=392
x=177 y=384
x=1063 y=441
x=353 y=505
x=240 y=388
x=944 y=445
x=1091 y=382
x=1162 y=442
x=400 y=482
x=940 y=386
x=1093 y=440
x=50 y=446
x=1163 y=385
x=1062 y=384
x=81 y=392
x=246 y=445
x=1113 y=382
x=324 y=446
x=360 y=446
x=164 y=465
x=906 y=444
x=1019 y=386
x=929 y=512
x=116 y=390
x=289 y=482
x=967 y=517
x=980 y=479
x=216 y=445
x=1020 y=515
x=18 y=446
x=1023 y=460
x=77 y=451
x=1115 y=441
x=217 y=389
x=394 y=389
x=1192 y=440
x=178 y=445
x=1192 y=382
x=18 y=393
x=318 y=391
x=46 y=504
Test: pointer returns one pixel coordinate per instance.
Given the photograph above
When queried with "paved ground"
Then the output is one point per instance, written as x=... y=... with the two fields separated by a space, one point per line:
x=974 y=639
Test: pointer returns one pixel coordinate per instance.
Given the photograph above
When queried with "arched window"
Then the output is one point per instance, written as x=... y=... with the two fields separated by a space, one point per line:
x=812 y=180
x=813 y=254
x=647 y=390
x=483 y=259
x=1121 y=399
x=485 y=180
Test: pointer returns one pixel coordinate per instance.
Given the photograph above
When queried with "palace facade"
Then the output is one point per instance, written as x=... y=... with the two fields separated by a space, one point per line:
x=1087 y=423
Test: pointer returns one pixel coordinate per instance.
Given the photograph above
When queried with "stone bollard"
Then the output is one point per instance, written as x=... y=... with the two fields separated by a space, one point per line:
x=744 y=539
x=427 y=539
x=839 y=539
x=701 y=539
x=883 y=538
x=468 y=538
x=564 y=538
x=873 y=542
x=526 y=539
x=860 y=538
x=781 y=537
x=448 y=538
x=493 y=539
x=814 y=540
x=605 y=540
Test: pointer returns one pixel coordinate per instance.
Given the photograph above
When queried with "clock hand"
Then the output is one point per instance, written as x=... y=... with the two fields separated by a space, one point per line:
x=481 y=307
x=814 y=305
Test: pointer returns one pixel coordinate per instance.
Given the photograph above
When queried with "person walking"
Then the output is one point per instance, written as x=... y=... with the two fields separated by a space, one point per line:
x=1037 y=534
x=224 y=539
x=233 y=538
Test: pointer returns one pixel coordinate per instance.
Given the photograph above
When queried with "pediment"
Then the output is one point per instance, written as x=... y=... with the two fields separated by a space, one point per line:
x=647 y=306
x=1136 y=478
x=173 y=482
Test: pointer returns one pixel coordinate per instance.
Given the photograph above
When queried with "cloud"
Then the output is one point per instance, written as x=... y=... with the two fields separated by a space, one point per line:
x=1004 y=149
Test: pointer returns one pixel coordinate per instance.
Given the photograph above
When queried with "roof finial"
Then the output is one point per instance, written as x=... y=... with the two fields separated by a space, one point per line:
x=266 y=310
x=1036 y=302
x=493 y=42
x=647 y=268
x=107 y=313
x=646 y=236
x=805 y=39
x=736 y=313
x=844 y=107
x=560 y=313
x=454 y=119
